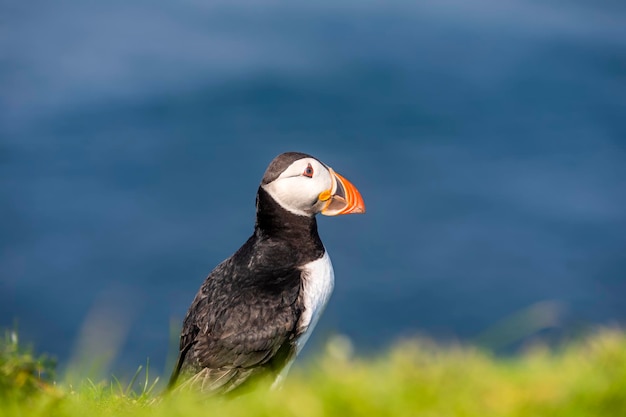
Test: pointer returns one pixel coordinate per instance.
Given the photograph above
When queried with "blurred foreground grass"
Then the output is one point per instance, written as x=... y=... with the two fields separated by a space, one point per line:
x=414 y=378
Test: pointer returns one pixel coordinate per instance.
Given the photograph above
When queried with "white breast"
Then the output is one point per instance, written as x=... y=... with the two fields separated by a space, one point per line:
x=318 y=283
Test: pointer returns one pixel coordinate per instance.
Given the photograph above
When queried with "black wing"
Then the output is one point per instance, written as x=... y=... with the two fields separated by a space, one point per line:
x=242 y=323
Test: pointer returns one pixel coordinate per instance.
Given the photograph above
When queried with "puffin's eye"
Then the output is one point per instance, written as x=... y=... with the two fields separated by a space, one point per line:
x=308 y=172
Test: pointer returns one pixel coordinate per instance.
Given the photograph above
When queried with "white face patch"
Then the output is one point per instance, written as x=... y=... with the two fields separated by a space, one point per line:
x=297 y=192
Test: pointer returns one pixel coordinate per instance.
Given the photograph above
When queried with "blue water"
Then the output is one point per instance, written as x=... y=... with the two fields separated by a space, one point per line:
x=488 y=139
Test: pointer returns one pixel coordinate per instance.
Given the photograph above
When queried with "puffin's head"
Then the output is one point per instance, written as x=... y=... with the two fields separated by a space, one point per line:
x=305 y=186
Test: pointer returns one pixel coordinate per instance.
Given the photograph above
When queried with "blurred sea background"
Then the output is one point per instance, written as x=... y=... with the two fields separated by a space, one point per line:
x=488 y=139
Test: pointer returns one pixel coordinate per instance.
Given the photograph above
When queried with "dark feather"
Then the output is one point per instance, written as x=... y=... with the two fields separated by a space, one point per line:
x=243 y=322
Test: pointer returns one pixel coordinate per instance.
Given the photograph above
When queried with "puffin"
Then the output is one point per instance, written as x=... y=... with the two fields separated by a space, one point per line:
x=255 y=310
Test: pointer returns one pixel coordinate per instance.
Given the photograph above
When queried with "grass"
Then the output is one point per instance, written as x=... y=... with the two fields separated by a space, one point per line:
x=414 y=378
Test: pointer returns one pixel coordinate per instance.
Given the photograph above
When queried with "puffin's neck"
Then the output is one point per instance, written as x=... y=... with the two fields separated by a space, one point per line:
x=272 y=220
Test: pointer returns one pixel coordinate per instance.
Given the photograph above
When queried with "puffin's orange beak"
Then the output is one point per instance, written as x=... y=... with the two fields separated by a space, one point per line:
x=342 y=198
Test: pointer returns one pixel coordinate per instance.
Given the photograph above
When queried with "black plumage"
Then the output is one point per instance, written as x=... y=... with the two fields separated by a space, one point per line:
x=244 y=321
